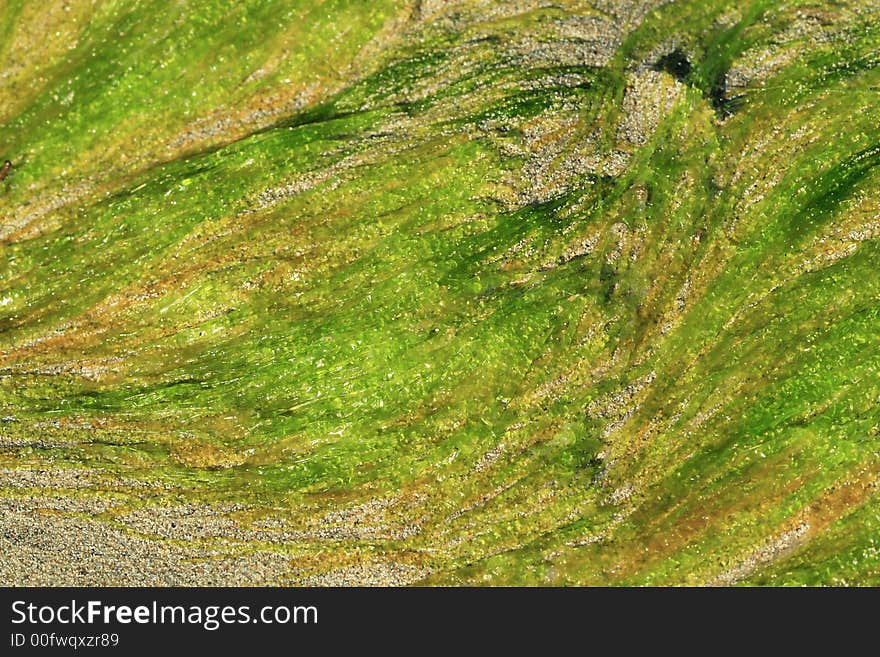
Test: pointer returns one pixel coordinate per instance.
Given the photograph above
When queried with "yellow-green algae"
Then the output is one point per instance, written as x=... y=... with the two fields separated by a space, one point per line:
x=587 y=293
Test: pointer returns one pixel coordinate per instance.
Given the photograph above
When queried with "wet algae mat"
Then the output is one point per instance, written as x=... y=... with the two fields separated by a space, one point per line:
x=465 y=292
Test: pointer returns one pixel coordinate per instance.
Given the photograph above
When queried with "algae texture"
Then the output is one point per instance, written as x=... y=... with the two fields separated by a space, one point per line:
x=440 y=292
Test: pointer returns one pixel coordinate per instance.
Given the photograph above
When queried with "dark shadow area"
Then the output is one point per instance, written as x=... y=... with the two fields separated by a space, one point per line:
x=676 y=63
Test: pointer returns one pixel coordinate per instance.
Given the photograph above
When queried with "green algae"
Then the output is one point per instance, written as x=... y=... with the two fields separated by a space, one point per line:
x=389 y=268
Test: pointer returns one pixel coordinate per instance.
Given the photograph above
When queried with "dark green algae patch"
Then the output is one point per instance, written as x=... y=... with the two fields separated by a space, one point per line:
x=577 y=294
